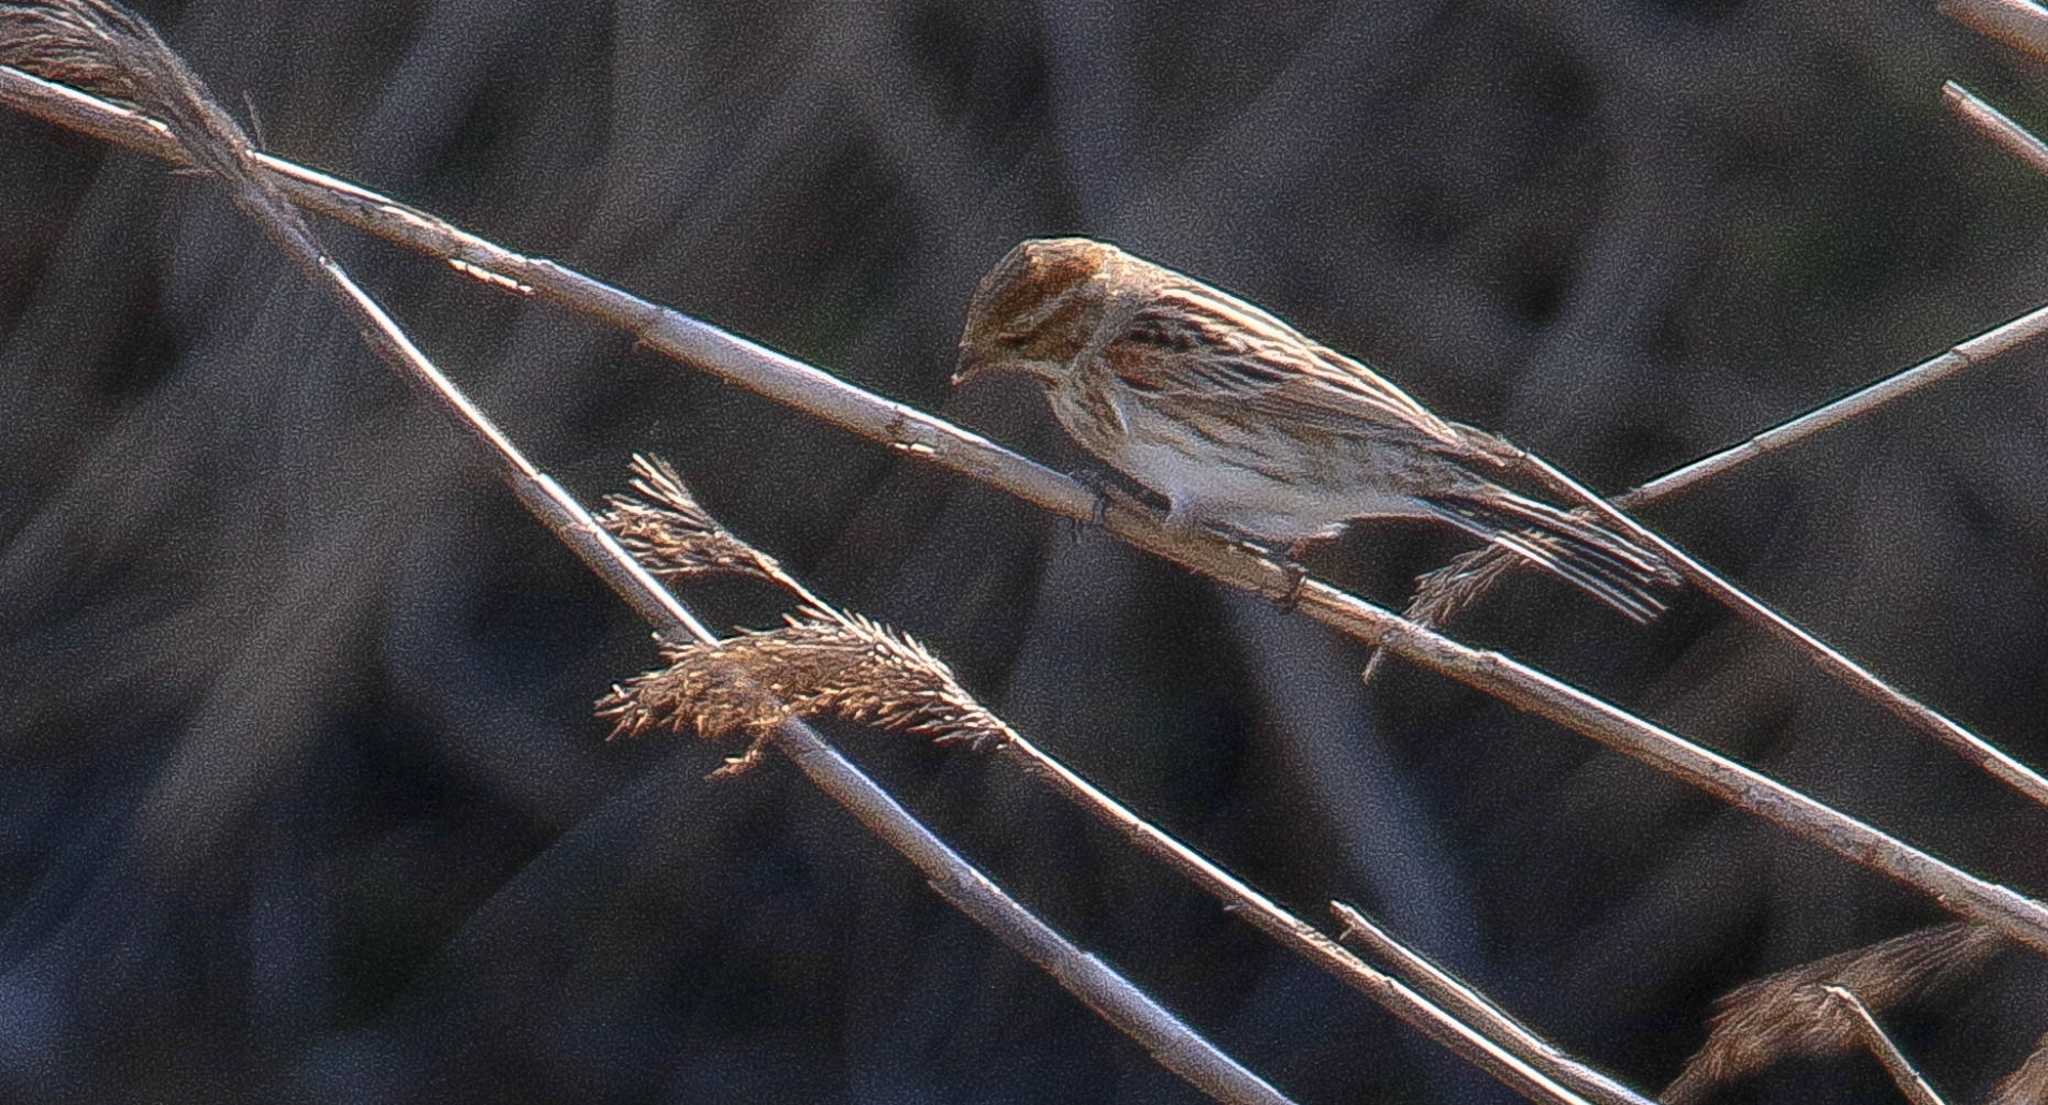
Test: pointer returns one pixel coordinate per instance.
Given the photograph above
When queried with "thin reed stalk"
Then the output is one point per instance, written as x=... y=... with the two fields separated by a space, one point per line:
x=2020 y=24
x=675 y=538
x=1912 y=1085
x=1973 y=749
x=1469 y=576
x=1995 y=125
x=1474 y=1008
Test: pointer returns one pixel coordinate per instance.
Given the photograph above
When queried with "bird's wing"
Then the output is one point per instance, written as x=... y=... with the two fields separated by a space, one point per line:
x=1195 y=345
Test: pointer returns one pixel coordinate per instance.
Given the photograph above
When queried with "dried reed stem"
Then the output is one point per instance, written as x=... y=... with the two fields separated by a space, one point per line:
x=2017 y=23
x=1914 y=1087
x=1472 y=1007
x=913 y=433
x=1973 y=749
x=679 y=538
x=120 y=52
x=1471 y=1040
x=1470 y=575
x=2000 y=339
x=1996 y=126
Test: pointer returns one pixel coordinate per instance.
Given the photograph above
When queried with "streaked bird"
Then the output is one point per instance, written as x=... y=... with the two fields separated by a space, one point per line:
x=1244 y=425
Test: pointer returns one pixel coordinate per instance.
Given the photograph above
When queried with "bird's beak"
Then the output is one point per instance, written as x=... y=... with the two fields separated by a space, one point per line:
x=968 y=365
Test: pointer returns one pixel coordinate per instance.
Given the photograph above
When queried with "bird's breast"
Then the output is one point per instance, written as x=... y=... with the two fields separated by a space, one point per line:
x=1236 y=473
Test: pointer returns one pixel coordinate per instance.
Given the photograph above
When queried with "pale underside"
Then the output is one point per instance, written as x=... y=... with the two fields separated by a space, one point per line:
x=1254 y=479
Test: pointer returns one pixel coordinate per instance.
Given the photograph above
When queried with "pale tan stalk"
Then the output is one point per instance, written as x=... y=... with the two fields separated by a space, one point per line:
x=1969 y=746
x=1995 y=125
x=1879 y=1043
x=2020 y=24
x=1472 y=1007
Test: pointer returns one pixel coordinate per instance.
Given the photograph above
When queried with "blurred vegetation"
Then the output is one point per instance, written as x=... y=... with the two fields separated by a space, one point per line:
x=301 y=797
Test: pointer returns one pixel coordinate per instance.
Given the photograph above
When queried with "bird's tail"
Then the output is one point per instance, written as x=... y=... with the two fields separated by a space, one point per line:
x=1605 y=564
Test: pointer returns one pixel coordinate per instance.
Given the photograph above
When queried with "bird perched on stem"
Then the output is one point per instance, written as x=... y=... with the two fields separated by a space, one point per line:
x=1246 y=426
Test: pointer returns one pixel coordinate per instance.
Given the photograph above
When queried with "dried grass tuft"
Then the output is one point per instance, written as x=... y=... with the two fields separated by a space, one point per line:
x=1793 y=1013
x=821 y=664
x=68 y=43
x=2027 y=1084
x=672 y=536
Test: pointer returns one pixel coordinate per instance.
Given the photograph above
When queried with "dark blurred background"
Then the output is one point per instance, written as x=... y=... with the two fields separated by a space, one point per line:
x=301 y=799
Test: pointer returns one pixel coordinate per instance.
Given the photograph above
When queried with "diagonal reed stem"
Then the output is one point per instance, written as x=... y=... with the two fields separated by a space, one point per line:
x=216 y=143
x=1970 y=747
x=1995 y=125
x=1912 y=1085
x=1472 y=1007
x=1522 y=1069
x=1973 y=749
x=1519 y=1059
x=1943 y=366
x=813 y=391
x=2020 y=24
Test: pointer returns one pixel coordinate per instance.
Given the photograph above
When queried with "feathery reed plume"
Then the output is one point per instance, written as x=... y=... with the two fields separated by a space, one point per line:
x=1441 y=594
x=2028 y=1083
x=822 y=662
x=68 y=44
x=103 y=47
x=1463 y=580
x=672 y=536
x=1792 y=1013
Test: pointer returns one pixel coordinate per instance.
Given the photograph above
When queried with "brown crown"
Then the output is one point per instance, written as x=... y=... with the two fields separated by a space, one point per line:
x=1038 y=305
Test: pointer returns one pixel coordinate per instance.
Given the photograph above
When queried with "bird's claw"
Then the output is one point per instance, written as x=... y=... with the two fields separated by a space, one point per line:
x=1297 y=577
x=1099 y=487
x=1288 y=560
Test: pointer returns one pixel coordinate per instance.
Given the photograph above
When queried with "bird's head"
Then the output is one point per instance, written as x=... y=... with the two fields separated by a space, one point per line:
x=1036 y=309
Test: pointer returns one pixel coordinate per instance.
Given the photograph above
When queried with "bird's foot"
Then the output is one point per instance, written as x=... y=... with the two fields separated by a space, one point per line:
x=1289 y=563
x=1099 y=486
x=1110 y=490
x=1297 y=578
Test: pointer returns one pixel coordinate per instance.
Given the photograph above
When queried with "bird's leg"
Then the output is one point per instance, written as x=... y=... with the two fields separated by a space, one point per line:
x=1110 y=488
x=1098 y=485
x=1297 y=573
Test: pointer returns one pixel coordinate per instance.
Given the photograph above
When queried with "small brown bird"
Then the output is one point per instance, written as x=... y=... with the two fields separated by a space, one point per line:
x=1245 y=426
